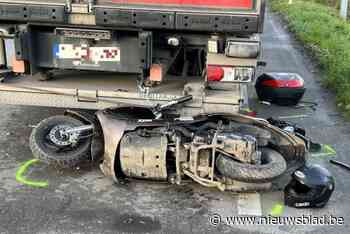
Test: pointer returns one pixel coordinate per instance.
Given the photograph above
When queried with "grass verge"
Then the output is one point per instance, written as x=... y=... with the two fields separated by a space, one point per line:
x=328 y=38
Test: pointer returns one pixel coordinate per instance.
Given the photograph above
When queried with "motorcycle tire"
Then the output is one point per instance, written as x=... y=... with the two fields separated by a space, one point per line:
x=273 y=165
x=46 y=151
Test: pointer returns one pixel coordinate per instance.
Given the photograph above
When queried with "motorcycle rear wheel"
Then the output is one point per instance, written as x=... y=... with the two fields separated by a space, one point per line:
x=273 y=165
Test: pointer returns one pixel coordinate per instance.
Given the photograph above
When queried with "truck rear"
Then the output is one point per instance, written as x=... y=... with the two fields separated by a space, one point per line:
x=97 y=54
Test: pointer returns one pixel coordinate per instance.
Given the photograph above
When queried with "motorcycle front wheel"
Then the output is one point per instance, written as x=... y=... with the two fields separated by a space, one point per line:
x=49 y=146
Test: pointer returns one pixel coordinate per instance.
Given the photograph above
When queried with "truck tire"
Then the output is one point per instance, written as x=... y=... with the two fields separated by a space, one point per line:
x=273 y=165
x=46 y=151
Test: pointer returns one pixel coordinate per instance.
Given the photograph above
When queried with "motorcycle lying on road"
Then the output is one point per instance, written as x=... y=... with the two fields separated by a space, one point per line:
x=227 y=151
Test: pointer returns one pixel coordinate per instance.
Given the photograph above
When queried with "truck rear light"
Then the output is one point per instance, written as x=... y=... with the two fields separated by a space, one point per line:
x=215 y=73
x=284 y=83
x=243 y=74
x=18 y=66
x=212 y=46
x=156 y=72
x=230 y=74
x=243 y=47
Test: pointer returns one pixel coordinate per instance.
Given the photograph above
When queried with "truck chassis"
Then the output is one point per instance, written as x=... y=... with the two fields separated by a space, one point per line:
x=153 y=53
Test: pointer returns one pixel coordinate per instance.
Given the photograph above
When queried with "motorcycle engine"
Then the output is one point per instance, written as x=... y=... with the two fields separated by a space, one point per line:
x=151 y=153
x=242 y=147
x=143 y=155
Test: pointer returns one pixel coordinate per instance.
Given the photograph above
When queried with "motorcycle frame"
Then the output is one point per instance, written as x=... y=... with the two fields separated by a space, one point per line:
x=113 y=130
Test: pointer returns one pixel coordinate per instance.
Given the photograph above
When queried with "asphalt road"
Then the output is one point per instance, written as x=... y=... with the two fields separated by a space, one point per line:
x=84 y=201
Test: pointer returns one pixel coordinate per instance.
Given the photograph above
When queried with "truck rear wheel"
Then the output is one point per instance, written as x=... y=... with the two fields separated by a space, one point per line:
x=49 y=146
x=273 y=165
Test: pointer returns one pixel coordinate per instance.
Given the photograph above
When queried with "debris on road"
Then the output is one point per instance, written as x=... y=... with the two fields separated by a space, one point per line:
x=277 y=210
x=310 y=186
x=293 y=116
x=344 y=165
x=265 y=103
x=285 y=89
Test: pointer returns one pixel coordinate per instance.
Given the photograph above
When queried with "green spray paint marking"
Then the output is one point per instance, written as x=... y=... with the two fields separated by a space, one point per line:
x=277 y=210
x=329 y=149
x=22 y=179
x=326 y=150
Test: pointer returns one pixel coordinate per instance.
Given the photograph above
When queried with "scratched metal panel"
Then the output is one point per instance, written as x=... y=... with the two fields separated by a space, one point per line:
x=149 y=19
x=11 y=12
x=45 y=13
x=32 y=13
x=113 y=17
x=142 y=19
x=219 y=23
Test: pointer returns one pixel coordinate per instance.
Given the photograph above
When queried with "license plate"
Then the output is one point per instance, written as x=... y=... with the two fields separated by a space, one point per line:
x=82 y=54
